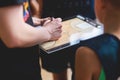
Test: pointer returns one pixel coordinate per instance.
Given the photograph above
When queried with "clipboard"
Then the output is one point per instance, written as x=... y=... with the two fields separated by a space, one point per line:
x=74 y=30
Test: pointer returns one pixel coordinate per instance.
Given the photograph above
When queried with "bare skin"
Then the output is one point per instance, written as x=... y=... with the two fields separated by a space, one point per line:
x=87 y=64
x=36 y=7
x=17 y=33
x=60 y=76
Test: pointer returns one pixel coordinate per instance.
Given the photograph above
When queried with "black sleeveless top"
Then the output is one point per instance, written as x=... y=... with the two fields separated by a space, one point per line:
x=107 y=47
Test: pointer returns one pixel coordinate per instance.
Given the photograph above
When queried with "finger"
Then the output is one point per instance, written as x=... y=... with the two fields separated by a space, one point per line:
x=59 y=31
x=59 y=19
x=47 y=21
x=48 y=18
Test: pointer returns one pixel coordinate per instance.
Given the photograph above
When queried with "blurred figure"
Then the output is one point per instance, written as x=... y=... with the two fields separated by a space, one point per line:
x=20 y=39
x=59 y=62
x=99 y=58
x=36 y=8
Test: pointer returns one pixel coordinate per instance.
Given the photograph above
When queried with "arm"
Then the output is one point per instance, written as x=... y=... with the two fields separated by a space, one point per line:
x=87 y=65
x=14 y=32
x=40 y=7
x=36 y=7
x=40 y=22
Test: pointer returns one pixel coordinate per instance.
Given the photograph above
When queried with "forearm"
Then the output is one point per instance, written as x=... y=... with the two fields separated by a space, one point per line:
x=40 y=6
x=25 y=36
x=15 y=32
x=30 y=36
x=35 y=8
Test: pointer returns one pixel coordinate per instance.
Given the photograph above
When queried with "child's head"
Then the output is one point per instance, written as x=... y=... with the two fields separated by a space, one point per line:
x=113 y=3
x=107 y=9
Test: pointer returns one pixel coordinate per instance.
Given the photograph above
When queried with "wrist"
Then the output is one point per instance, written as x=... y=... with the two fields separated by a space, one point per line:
x=47 y=34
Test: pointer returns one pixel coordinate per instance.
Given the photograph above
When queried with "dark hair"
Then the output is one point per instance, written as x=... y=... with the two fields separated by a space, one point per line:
x=114 y=3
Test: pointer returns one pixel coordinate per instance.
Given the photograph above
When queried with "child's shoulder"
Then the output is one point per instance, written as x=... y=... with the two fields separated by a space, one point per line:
x=102 y=41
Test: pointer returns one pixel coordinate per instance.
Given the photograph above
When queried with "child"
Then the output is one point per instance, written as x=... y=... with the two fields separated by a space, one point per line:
x=98 y=58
